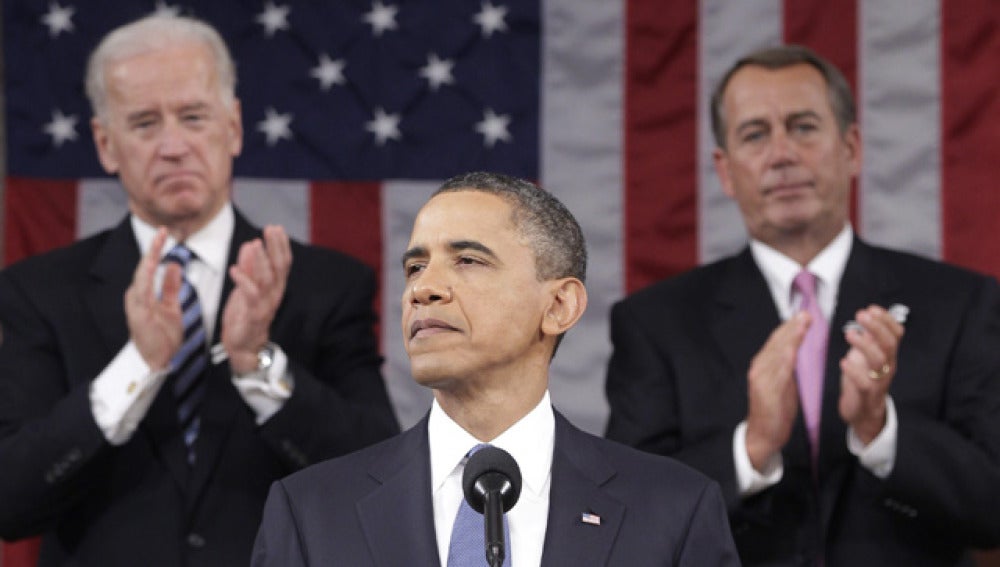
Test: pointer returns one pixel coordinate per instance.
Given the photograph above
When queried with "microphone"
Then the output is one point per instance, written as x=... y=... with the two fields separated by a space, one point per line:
x=492 y=484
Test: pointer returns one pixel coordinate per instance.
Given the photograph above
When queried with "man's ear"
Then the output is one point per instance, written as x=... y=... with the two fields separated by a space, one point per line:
x=720 y=159
x=234 y=125
x=105 y=147
x=567 y=302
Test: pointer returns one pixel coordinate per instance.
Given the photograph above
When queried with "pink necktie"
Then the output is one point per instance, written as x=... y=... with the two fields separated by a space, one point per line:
x=811 y=361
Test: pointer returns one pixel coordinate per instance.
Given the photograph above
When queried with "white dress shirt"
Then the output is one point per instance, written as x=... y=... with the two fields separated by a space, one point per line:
x=530 y=441
x=121 y=394
x=779 y=272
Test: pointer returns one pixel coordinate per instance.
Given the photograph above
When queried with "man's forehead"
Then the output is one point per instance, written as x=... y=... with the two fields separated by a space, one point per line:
x=755 y=88
x=463 y=217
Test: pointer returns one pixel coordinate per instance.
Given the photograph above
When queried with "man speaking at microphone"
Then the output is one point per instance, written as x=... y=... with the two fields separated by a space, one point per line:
x=494 y=277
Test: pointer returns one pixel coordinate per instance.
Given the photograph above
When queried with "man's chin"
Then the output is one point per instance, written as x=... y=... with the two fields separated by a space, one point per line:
x=432 y=374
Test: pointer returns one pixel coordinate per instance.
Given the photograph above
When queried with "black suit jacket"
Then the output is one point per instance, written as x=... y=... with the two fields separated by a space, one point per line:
x=374 y=508
x=63 y=321
x=677 y=386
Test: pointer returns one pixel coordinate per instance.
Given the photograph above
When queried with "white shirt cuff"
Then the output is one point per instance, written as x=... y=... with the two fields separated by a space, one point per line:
x=266 y=391
x=748 y=480
x=880 y=455
x=121 y=394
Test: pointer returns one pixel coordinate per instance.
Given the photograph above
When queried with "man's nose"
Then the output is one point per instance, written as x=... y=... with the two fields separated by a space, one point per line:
x=783 y=149
x=173 y=141
x=430 y=287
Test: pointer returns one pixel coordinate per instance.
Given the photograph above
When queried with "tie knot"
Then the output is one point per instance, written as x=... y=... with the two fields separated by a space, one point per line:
x=179 y=254
x=805 y=283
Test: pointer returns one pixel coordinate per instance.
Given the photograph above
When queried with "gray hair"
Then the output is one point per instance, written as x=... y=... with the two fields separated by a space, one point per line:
x=550 y=229
x=839 y=90
x=151 y=33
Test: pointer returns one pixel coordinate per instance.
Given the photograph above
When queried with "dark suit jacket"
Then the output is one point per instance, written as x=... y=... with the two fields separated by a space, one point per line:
x=139 y=504
x=677 y=386
x=374 y=508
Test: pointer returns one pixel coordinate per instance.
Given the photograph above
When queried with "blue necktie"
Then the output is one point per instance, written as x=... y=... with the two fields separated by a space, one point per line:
x=187 y=367
x=468 y=535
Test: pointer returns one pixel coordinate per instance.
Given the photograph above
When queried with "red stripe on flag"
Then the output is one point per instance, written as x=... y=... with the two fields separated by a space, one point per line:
x=347 y=216
x=661 y=114
x=830 y=29
x=23 y=553
x=41 y=215
x=970 y=117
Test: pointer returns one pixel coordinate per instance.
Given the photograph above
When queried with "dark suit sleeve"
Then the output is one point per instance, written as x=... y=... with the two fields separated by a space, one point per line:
x=947 y=468
x=339 y=402
x=278 y=542
x=709 y=541
x=645 y=404
x=48 y=435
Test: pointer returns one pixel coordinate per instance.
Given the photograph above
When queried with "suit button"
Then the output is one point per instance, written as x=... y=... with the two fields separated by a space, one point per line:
x=196 y=541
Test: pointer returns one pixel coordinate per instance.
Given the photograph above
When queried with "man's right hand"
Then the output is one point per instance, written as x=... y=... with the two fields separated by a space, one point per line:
x=154 y=322
x=772 y=391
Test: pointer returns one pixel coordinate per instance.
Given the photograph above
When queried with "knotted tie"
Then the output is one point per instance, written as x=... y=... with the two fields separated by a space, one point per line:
x=810 y=365
x=188 y=364
x=468 y=535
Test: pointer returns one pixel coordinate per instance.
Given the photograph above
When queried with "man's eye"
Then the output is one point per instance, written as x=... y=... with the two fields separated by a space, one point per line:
x=411 y=269
x=469 y=260
x=804 y=128
x=753 y=136
x=193 y=118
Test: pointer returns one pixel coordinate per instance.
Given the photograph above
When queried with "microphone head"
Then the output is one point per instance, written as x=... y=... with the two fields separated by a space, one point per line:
x=491 y=468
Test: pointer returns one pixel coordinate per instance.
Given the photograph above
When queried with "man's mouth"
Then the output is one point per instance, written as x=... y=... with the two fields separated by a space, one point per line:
x=424 y=327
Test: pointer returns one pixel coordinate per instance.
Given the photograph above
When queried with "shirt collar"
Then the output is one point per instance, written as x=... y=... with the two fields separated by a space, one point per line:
x=530 y=441
x=828 y=266
x=210 y=244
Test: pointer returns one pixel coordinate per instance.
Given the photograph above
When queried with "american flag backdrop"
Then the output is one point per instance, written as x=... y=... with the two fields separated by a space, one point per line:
x=355 y=110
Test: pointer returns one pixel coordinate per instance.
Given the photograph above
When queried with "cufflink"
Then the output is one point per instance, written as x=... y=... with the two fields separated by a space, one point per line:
x=265 y=357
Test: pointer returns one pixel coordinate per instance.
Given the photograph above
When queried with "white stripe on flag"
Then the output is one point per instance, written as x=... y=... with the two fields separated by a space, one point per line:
x=900 y=77
x=581 y=163
x=401 y=200
x=275 y=201
x=100 y=204
x=727 y=30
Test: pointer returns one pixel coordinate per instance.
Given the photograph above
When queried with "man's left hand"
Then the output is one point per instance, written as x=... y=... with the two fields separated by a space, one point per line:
x=867 y=370
x=259 y=277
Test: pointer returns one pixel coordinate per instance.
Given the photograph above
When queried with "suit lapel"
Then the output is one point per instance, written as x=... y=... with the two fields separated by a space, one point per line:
x=579 y=472
x=743 y=318
x=110 y=275
x=865 y=281
x=397 y=517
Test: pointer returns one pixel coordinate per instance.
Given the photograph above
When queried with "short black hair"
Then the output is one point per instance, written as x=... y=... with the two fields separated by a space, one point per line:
x=551 y=230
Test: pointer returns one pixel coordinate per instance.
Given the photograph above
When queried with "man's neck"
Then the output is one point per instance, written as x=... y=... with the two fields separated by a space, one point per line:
x=803 y=246
x=487 y=412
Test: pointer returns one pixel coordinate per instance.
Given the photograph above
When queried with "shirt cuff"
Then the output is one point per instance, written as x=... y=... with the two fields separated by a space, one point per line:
x=880 y=455
x=266 y=391
x=748 y=480
x=121 y=394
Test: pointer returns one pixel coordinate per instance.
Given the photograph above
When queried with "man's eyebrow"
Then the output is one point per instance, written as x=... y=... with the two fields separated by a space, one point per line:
x=454 y=246
x=457 y=245
x=415 y=252
x=751 y=123
x=802 y=114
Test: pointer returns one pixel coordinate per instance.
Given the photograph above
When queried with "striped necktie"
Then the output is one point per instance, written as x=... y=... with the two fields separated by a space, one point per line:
x=467 y=547
x=187 y=367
